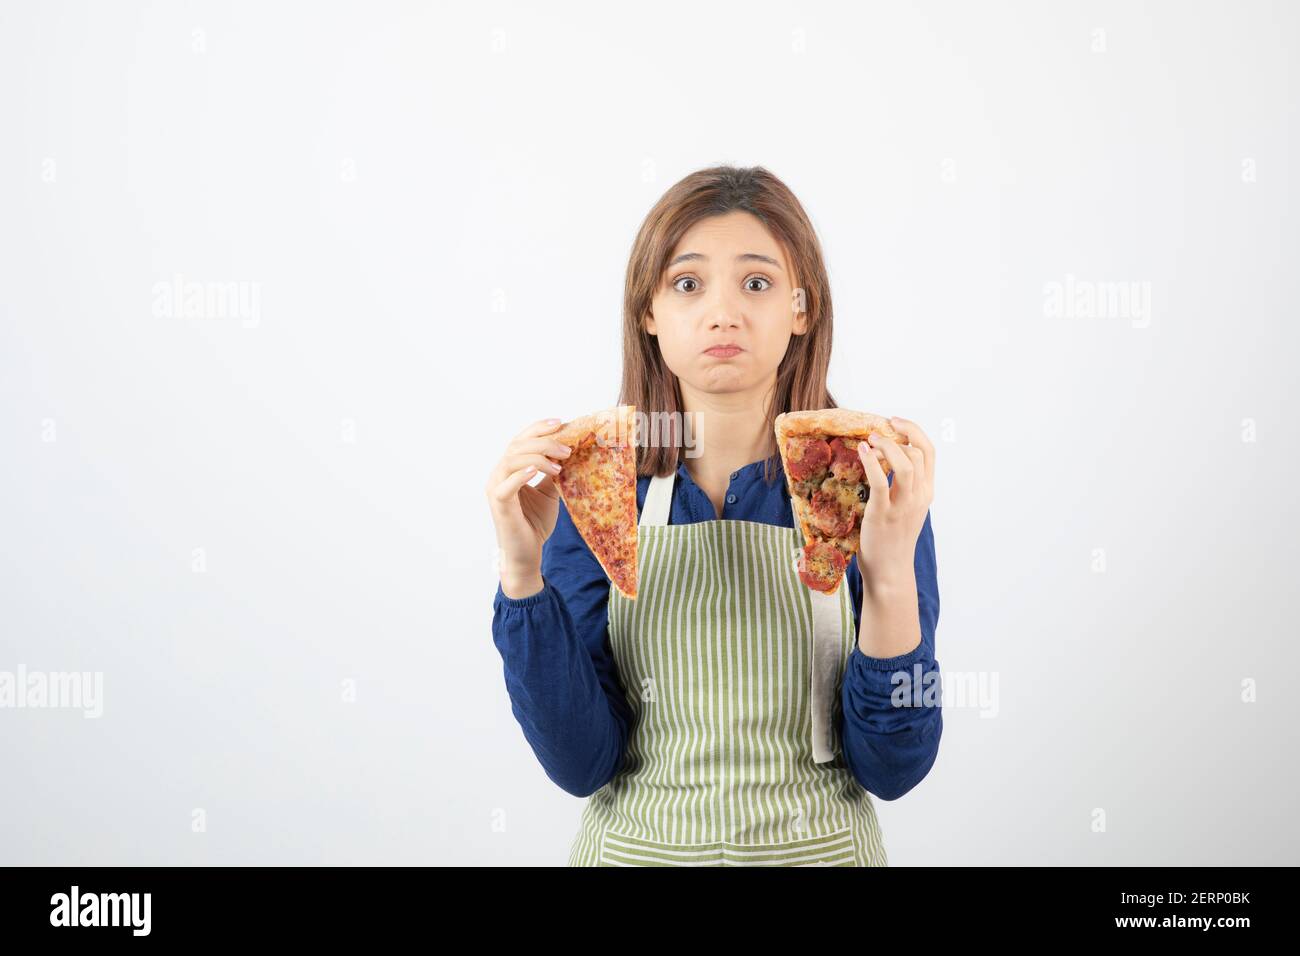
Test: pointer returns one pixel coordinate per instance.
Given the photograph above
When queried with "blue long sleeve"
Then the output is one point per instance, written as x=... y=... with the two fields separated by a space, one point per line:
x=890 y=748
x=559 y=670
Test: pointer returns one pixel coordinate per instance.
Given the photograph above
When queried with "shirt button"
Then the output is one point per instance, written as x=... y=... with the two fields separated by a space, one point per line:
x=731 y=499
x=734 y=474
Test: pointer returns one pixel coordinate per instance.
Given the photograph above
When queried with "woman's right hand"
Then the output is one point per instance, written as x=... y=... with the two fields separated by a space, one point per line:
x=525 y=515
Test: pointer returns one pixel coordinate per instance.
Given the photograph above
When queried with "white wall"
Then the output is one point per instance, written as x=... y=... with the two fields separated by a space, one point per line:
x=373 y=173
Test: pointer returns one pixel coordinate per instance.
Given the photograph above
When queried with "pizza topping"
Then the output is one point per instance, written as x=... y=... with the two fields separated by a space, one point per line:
x=821 y=564
x=845 y=463
x=826 y=474
x=836 y=507
x=807 y=457
x=806 y=489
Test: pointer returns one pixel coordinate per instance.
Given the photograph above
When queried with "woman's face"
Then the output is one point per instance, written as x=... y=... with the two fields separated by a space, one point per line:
x=728 y=282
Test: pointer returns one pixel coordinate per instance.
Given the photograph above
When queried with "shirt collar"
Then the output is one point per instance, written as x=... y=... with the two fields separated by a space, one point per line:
x=752 y=471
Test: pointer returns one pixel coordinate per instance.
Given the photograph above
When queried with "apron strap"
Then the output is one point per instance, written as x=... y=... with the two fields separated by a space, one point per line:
x=827 y=633
x=658 y=500
x=827 y=626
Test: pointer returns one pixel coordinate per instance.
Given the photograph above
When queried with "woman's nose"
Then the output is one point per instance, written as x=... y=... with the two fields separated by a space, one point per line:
x=724 y=310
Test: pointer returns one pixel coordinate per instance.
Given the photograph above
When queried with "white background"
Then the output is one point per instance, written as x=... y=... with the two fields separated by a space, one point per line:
x=435 y=204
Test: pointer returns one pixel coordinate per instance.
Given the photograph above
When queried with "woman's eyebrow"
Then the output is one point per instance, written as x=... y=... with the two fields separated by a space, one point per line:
x=743 y=257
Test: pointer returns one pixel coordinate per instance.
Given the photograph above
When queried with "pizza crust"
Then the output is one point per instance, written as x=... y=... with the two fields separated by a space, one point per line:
x=613 y=426
x=844 y=422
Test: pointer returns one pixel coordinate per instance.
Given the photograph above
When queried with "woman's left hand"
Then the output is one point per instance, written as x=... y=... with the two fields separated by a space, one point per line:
x=895 y=514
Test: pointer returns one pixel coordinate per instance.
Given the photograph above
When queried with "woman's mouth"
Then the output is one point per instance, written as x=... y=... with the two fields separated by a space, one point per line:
x=724 y=351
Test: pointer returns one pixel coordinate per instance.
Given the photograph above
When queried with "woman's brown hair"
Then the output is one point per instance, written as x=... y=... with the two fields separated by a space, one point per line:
x=648 y=383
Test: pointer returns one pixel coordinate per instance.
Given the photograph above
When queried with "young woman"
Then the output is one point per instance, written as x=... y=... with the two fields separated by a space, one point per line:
x=690 y=715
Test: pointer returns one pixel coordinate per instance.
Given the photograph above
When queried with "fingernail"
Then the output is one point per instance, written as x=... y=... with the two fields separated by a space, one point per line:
x=552 y=421
x=555 y=467
x=566 y=448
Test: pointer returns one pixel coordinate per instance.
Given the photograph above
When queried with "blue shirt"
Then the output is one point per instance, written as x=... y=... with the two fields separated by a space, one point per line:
x=563 y=682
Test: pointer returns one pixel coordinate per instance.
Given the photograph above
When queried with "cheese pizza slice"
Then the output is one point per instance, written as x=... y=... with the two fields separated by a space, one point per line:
x=828 y=487
x=598 y=485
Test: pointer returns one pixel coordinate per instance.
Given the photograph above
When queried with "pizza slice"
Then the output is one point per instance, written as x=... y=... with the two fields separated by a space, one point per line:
x=598 y=485
x=829 y=489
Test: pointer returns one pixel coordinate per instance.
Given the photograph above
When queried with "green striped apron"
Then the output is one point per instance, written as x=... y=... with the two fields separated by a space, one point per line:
x=732 y=669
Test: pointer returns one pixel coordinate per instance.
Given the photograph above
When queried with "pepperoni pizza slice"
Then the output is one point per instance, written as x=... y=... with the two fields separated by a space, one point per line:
x=829 y=489
x=598 y=484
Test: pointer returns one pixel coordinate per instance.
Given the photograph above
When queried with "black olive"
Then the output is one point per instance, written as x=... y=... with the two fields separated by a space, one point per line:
x=863 y=492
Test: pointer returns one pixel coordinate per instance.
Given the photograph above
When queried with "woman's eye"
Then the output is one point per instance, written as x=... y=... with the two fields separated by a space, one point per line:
x=763 y=284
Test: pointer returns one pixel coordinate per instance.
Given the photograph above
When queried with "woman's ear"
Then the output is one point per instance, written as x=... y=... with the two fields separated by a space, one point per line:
x=649 y=323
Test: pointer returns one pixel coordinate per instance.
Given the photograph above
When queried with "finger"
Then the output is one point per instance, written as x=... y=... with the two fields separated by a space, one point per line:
x=876 y=478
x=503 y=491
x=918 y=439
x=918 y=460
x=543 y=446
x=904 y=471
x=525 y=442
x=543 y=464
x=543 y=426
x=511 y=462
x=920 y=480
x=547 y=487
